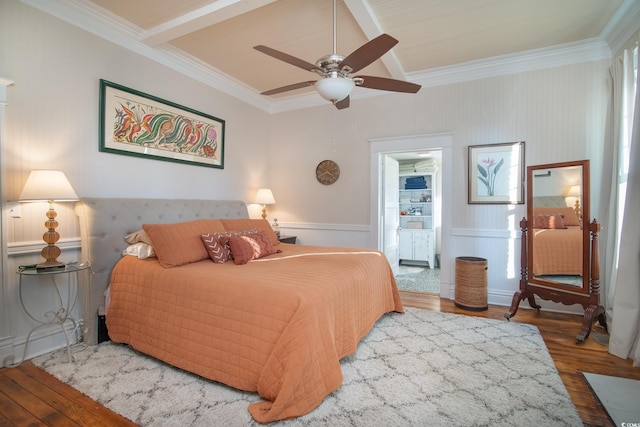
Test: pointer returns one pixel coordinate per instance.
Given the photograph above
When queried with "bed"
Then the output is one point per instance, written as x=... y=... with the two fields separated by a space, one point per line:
x=277 y=325
x=557 y=242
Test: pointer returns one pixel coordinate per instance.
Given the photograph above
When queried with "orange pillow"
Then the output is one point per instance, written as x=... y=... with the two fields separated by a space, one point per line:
x=247 y=223
x=179 y=243
x=251 y=246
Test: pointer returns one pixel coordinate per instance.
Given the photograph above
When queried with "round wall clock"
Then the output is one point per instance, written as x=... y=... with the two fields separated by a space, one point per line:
x=327 y=172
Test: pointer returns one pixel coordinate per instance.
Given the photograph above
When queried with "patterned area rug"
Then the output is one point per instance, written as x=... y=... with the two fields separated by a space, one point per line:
x=419 y=368
x=418 y=279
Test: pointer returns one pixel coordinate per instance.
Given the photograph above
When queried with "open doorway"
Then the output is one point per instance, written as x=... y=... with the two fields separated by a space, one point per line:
x=385 y=198
x=419 y=203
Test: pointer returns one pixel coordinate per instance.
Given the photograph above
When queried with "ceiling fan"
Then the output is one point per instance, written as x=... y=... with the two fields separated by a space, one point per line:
x=336 y=70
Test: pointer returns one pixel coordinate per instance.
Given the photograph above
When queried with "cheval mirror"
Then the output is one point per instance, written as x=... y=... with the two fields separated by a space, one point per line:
x=560 y=255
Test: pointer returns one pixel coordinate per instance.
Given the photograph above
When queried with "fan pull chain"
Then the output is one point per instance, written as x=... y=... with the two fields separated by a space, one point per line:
x=333 y=130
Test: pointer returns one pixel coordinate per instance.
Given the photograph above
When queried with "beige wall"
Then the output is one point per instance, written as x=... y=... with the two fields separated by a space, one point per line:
x=559 y=112
x=52 y=119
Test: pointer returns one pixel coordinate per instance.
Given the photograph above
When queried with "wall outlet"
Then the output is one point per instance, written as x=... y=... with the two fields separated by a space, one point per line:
x=15 y=211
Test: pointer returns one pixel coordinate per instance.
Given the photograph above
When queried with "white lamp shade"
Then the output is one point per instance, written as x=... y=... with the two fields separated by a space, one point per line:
x=572 y=191
x=264 y=196
x=334 y=89
x=46 y=185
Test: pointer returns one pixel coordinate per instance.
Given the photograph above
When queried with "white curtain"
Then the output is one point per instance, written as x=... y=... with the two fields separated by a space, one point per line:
x=622 y=259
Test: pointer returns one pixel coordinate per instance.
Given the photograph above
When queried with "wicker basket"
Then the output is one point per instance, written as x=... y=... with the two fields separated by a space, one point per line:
x=471 y=283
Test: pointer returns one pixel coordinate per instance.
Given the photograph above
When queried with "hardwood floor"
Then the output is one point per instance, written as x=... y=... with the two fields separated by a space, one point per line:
x=30 y=396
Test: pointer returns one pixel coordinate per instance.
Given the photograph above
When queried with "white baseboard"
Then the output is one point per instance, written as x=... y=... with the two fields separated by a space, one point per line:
x=43 y=340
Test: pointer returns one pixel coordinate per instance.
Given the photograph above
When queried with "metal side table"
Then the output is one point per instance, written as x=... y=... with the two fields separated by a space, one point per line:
x=62 y=312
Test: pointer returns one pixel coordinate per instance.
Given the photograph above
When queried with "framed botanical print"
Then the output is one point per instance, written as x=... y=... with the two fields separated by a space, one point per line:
x=496 y=173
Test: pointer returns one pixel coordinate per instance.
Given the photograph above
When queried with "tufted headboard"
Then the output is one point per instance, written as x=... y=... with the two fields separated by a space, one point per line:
x=549 y=202
x=104 y=222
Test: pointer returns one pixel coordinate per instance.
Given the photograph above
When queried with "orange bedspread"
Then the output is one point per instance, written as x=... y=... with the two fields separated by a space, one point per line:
x=557 y=252
x=278 y=325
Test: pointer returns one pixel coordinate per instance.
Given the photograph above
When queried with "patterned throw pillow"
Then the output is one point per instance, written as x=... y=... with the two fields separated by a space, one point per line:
x=569 y=215
x=217 y=244
x=247 y=223
x=251 y=246
x=216 y=250
x=548 y=221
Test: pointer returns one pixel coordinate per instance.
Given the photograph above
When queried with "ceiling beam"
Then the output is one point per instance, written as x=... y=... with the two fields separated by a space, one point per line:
x=214 y=13
x=368 y=22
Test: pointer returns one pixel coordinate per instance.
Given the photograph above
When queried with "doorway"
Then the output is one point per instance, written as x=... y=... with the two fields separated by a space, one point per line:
x=381 y=151
x=419 y=208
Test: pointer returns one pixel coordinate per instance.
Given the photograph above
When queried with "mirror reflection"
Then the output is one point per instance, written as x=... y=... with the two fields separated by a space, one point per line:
x=558 y=241
x=557 y=237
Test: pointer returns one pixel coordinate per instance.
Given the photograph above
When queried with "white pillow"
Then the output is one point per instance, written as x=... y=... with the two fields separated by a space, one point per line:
x=140 y=249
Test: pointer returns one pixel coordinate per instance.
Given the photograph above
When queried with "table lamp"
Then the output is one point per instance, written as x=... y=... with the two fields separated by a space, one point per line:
x=49 y=186
x=574 y=191
x=264 y=197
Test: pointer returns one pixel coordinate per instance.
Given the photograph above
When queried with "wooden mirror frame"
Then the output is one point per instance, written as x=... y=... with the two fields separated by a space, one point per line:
x=588 y=295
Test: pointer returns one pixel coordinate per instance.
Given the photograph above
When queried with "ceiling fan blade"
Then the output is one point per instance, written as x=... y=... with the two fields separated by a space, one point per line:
x=287 y=58
x=383 y=83
x=289 y=87
x=368 y=53
x=343 y=103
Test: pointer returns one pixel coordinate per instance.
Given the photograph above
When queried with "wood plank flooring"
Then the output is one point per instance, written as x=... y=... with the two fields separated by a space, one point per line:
x=31 y=397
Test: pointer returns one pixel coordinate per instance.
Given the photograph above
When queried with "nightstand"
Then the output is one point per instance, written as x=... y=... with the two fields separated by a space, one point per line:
x=288 y=239
x=61 y=313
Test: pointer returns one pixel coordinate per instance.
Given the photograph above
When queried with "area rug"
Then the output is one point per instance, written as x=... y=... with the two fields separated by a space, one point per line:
x=619 y=396
x=419 y=279
x=421 y=368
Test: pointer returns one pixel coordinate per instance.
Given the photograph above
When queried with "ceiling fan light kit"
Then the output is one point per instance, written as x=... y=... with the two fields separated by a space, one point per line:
x=334 y=89
x=337 y=83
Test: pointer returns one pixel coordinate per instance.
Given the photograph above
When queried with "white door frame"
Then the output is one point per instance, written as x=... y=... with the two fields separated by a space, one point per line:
x=390 y=223
x=5 y=321
x=442 y=141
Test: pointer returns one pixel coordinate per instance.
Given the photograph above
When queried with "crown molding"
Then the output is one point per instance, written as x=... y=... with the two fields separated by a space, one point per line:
x=369 y=24
x=95 y=20
x=536 y=59
x=624 y=24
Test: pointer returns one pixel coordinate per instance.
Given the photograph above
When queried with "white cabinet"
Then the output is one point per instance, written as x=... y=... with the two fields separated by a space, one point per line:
x=417 y=245
x=417 y=224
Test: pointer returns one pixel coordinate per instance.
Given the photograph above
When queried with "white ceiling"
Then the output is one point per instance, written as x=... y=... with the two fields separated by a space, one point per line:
x=213 y=41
